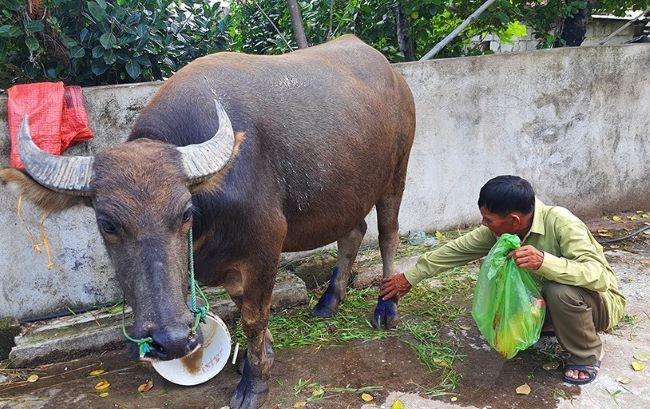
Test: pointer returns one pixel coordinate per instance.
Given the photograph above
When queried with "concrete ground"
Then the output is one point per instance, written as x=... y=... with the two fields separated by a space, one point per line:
x=486 y=380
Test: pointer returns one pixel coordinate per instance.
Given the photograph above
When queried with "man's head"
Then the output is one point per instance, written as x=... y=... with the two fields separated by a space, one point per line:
x=507 y=203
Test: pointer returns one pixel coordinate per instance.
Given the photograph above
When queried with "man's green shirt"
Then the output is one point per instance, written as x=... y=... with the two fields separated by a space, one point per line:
x=571 y=255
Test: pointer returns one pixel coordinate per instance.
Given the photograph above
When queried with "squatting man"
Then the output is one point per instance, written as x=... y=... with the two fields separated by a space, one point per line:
x=578 y=285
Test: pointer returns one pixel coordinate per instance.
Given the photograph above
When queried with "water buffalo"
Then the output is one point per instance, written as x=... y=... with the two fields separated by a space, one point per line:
x=311 y=141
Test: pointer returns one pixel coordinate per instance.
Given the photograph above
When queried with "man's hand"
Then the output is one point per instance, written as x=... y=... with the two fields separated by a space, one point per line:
x=395 y=285
x=527 y=257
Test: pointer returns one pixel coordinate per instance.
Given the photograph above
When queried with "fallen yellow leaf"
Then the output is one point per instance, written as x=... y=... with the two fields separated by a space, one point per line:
x=145 y=387
x=366 y=397
x=103 y=394
x=640 y=211
x=523 y=389
x=631 y=217
x=642 y=355
x=299 y=405
x=637 y=366
x=603 y=231
x=397 y=404
x=608 y=234
x=32 y=378
x=454 y=399
x=614 y=246
x=623 y=379
x=549 y=366
x=645 y=216
x=616 y=218
x=101 y=385
x=441 y=362
x=96 y=372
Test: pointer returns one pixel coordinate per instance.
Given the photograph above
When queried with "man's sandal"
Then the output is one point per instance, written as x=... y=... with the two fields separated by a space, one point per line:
x=590 y=370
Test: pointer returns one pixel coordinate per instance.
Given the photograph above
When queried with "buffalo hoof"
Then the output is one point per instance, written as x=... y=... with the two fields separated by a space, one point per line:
x=251 y=393
x=322 y=311
x=327 y=306
x=386 y=315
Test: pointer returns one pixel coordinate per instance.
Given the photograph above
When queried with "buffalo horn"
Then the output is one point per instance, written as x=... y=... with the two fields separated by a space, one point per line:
x=66 y=174
x=200 y=161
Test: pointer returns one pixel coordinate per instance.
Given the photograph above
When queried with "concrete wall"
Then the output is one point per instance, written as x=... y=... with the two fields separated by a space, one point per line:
x=573 y=121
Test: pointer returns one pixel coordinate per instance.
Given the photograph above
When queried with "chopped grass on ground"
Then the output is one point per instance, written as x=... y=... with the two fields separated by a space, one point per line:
x=316 y=391
x=424 y=312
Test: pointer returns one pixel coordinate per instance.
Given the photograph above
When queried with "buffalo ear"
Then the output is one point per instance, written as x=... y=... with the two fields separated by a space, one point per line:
x=46 y=199
x=213 y=183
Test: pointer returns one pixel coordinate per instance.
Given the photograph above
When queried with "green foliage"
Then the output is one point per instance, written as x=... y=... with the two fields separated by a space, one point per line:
x=106 y=42
x=619 y=7
x=252 y=32
x=93 y=42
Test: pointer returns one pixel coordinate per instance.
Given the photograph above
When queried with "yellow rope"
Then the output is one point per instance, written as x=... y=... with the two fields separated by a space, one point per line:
x=46 y=244
x=19 y=214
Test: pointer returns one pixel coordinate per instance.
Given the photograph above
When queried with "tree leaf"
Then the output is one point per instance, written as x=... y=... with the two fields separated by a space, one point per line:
x=133 y=69
x=98 y=67
x=96 y=11
x=34 y=26
x=397 y=404
x=32 y=44
x=366 y=397
x=145 y=387
x=78 y=53
x=101 y=385
x=96 y=372
x=523 y=389
x=549 y=366
x=616 y=218
x=637 y=366
x=108 y=40
x=110 y=57
x=623 y=379
x=642 y=355
x=103 y=394
x=32 y=378
x=83 y=34
x=98 y=52
x=7 y=31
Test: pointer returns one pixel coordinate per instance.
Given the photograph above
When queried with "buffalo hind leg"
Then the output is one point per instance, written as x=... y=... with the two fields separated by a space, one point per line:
x=386 y=314
x=348 y=246
x=253 y=388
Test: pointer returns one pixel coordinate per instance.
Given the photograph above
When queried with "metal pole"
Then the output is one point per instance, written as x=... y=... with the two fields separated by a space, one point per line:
x=626 y=25
x=456 y=31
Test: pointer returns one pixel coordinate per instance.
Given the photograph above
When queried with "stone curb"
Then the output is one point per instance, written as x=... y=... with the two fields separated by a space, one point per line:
x=67 y=338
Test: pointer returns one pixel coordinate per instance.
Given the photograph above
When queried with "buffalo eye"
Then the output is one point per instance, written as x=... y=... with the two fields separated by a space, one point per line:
x=107 y=227
x=187 y=215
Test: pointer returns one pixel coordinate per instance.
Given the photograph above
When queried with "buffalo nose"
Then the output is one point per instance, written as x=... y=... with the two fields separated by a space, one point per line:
x=173 y=342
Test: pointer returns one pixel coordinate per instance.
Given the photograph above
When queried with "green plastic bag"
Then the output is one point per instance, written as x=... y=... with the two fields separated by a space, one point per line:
x=508 y=307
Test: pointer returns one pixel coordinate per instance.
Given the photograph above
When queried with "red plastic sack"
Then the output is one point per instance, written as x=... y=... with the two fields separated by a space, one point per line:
x=74 y=124
x=57 y=117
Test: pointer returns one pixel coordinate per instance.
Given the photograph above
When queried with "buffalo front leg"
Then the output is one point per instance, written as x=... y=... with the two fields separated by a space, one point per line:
x=253 y=388
x=328 y=304
x=386 y=314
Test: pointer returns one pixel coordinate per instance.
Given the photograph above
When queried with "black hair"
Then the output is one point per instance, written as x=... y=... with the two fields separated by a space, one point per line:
x=506 y=194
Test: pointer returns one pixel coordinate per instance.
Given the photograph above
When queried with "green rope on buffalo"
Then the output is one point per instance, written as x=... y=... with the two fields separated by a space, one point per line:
x=146 y=344
x=199 y=312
